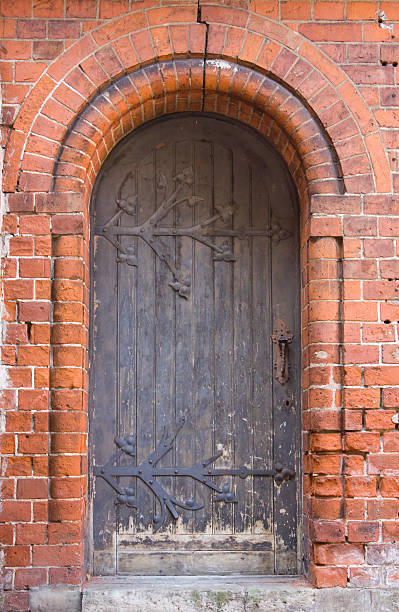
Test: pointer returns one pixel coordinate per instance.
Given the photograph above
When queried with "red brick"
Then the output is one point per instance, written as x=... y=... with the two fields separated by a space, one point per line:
x=67 y=224
x=389 y=486
x=18 y=466
x=18 y=289
x=57 y=555
x=6 y=534
x=363 y=442
x=18 y=8
x=66 y=575
x=329 y=576
x=389 y=268
x=360 y=354
x=15 y=556
x=325 y=442
x=84 y=10
x=353 y=420
x=379 y=419
x=330 y=509
x=68 y=533
x=64 y=29
x=364 y=531
x=391 y=398
x=339 y=554
x=378 y=332
x=65 y=488
x=374 y=75
x=30 y=577
x=328 y=531
x=31 y=28
x=361 y=398
x=365 y=577
x=390 y=531
x=327 y=486
x=391 y=441
x=386 y=463
x=16 y=601
x=16 y=511
x=33 y=443
x=390 y=354
x=66 y=466
x=378 y=248
x=34 y=311
x=31 y=533
x=32 y=488
x=360 y=11
x=32 y=399
x=61 y=510
x=384 y=375
x=389 y=227
x=34 y=224
x=383 y=508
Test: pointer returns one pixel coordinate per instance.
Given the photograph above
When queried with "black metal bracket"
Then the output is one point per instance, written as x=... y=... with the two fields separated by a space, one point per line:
x=147 y=472
x=152 y=232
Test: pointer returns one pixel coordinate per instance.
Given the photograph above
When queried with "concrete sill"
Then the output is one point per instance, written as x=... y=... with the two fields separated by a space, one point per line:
x=209 y=594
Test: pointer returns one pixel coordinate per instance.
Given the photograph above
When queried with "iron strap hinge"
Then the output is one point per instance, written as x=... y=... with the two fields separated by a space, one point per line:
x=147 y=472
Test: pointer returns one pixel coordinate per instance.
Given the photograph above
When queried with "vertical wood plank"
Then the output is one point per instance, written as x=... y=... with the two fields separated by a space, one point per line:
x=286 y=306
x=243 y=338
x=146 y=338
x=202 y=339
x=127 y=346
x=165 y=320
x=224 y=434
x=103 y=390
x=184 y=378
x=262 y=409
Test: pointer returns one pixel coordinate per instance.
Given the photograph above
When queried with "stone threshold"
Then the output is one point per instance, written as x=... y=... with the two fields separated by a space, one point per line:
x=209 y=594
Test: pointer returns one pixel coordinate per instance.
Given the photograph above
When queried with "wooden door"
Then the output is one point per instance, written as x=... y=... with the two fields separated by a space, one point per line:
x=195 y=353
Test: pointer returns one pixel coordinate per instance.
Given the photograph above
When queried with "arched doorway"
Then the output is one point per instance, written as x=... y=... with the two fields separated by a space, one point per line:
x=195 y=423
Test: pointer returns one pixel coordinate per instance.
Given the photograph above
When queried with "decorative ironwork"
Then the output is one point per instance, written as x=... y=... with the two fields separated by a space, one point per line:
x=151 y=232
x=147 y=471
x=282 y=337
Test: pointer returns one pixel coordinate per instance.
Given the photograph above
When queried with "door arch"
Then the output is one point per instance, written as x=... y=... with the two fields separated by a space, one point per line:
x=195 y=353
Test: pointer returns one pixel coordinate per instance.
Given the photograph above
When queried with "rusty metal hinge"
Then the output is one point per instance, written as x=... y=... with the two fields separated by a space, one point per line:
x=147 y=472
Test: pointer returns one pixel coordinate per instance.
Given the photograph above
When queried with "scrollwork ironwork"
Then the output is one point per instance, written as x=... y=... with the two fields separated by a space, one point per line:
x=152 y=232
x=147 y=472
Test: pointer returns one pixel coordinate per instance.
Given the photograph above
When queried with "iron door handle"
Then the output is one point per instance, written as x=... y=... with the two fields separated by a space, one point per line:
x=282 y=337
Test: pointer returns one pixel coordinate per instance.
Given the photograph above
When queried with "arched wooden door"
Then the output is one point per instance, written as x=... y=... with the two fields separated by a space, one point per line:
x=195 y=353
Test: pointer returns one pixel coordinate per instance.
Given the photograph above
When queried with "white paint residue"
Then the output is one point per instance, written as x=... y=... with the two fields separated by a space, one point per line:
x=382 y=18
x=321 y=354
x=219 y=63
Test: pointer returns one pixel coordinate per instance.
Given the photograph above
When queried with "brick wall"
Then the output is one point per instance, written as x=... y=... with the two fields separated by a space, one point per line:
x=318 y=80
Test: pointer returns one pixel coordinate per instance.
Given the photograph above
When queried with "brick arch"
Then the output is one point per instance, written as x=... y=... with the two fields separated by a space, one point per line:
x=231 y=90
x=152 y=35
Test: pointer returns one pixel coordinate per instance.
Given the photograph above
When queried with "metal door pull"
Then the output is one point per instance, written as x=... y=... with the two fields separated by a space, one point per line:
x=282 y=337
